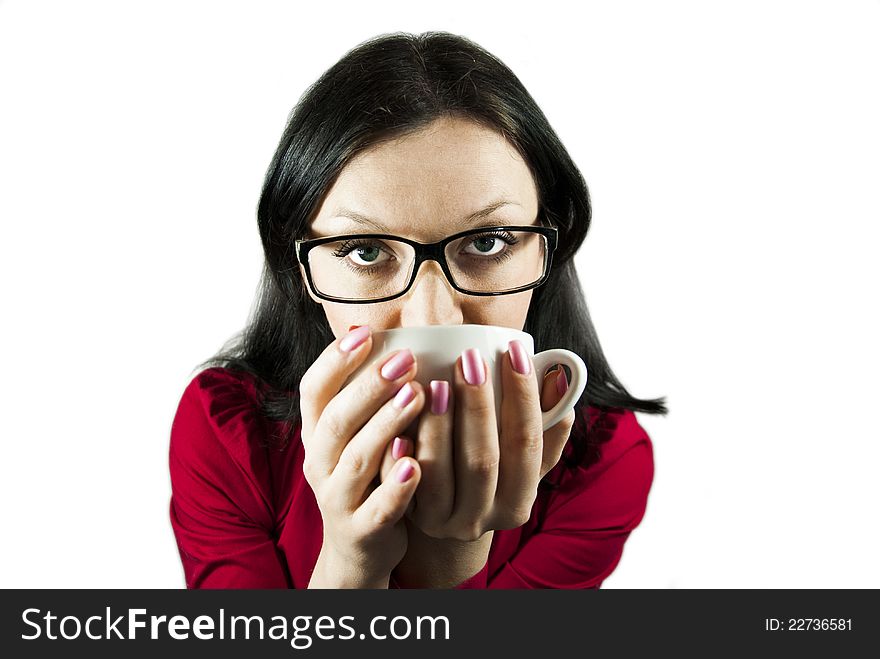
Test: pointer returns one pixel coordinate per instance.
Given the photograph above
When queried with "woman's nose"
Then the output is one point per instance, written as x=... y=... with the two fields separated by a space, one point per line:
x=431 y=300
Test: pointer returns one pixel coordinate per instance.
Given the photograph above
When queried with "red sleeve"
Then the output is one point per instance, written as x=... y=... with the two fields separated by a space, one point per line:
x=219 y=513
x=581 y=540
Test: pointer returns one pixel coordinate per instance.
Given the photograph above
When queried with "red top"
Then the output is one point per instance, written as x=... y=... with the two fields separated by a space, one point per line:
x=245 y=517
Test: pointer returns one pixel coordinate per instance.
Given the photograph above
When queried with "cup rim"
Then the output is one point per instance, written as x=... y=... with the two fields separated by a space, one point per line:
x=433 y=328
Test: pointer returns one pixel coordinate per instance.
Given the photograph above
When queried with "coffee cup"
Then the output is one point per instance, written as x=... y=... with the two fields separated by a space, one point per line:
x=437 y=347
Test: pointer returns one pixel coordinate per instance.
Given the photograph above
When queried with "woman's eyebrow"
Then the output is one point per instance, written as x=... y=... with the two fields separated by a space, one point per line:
x=465 y=222
x=488 y=210
x=361 y=219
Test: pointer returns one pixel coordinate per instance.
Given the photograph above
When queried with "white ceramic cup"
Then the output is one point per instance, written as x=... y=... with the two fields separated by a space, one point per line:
x=437 y=347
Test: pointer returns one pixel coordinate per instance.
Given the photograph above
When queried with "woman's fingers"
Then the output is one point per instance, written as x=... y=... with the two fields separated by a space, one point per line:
x=434 y=451
x=362 y=456
x=326 y=376
x=475 y=450
x=554 y=386
x=347 y=412
x=521 y=439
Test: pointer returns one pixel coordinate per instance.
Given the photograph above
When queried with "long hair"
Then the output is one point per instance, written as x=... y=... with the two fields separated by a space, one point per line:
x=385 y=88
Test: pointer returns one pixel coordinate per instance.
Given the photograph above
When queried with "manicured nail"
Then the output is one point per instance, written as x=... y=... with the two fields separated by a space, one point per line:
x=404 y=396
x=400 y=447
x=351 y=327
x=519 y=358
x=472 y=365
x=398 y=365
x=405 y=471
x=561 y=382
x=439 y=396
x=354 y=338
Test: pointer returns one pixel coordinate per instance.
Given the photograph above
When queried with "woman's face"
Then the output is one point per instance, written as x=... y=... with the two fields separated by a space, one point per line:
x=423 y=186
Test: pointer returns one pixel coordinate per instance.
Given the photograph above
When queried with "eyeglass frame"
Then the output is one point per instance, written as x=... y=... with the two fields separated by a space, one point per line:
x=427 y=252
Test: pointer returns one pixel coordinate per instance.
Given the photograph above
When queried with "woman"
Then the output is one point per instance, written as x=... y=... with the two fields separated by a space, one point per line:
x=284 y=476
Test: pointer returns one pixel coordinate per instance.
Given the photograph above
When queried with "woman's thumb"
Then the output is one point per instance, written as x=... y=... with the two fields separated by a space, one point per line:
x=388 y=502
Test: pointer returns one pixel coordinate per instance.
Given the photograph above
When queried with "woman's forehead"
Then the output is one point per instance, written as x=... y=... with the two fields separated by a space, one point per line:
x=453 y=172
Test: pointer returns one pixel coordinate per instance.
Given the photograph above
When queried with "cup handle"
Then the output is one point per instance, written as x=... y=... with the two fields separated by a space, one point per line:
x=575 y=388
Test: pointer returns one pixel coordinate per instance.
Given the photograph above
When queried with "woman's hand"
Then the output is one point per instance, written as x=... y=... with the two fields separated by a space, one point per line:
x=344 y=432
x=475 y=479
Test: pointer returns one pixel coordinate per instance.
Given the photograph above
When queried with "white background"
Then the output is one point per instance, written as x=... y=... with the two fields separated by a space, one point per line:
x=732 y=151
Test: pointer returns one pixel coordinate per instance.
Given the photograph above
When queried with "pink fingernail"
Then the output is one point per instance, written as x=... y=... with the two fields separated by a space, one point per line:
x=472 y=365
x=404 y=396
x=519 y=358
x=405 y=471
x=354 y=338
x=398 y=365
x=400 y=448
x=439 y=396
x=561 y=382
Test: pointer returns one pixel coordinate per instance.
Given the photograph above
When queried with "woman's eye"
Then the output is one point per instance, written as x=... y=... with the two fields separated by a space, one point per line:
x=486 y=245
x=366 y=255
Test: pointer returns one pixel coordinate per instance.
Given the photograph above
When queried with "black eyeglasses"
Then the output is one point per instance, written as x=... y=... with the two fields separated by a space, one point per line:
x=373 y=267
